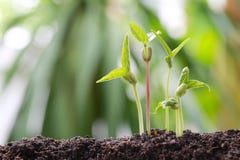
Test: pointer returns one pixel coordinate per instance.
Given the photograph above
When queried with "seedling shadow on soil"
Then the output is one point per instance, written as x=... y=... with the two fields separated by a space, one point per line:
x=157 y=145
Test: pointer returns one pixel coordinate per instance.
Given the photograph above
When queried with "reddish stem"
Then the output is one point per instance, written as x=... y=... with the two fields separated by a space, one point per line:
x=148 y=96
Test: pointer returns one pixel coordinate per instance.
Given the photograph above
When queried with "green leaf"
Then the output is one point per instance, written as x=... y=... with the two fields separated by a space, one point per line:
x=116 y=73
x=179 y=47
x=125 y=54
x=164 y=43
x=196 y=84
x=124 y=71
x=139 y=33
x=184 y=77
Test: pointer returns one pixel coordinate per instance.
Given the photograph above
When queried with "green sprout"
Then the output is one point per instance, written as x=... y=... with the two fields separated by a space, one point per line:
x=175 y=102
x=184 y=84
x=142 y=37
x=125 y=72
x=169 y=59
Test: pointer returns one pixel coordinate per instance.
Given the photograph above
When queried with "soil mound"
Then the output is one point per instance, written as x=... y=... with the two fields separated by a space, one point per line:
x=159 y=145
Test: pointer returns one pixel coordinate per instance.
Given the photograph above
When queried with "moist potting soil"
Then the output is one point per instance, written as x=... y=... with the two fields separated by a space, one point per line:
x=222 y=145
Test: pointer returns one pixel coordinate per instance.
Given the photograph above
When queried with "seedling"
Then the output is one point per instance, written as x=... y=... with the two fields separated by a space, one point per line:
x=142 y=37
x=175 y=103
x=184 y=83
x=125 y=72
x=169 y=59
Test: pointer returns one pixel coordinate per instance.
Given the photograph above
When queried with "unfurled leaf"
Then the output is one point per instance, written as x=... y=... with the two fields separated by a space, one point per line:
x=196 y=84
x=179 y=47
x=125 y=54
x=139 y=33
x=163 y=42
x=116 y=73
x=124 y=71
x=185 y=83
x=184 y=77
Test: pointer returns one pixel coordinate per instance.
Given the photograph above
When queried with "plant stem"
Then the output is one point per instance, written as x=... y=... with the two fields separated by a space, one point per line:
x=148 y=97
x=167 y=96
x=139 y=108
x=179 y=119
x=177 y=122
x=168 y=79
x=181 y=115
x=167 y=119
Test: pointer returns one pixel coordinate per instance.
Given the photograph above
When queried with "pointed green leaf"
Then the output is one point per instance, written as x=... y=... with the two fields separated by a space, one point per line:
x=163 y=42
x=116 y=73
x=125 y=54
x=179 y=47
x=196 y=84
x=184 y=77
x=139 y=33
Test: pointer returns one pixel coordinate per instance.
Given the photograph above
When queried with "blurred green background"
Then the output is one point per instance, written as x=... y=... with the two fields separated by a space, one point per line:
x=53 y=51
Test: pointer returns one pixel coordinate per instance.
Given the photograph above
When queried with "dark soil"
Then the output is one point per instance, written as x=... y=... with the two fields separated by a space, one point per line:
x=159 y=145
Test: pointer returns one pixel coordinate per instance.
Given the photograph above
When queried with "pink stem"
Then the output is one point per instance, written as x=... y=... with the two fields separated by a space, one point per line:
x=148 y=96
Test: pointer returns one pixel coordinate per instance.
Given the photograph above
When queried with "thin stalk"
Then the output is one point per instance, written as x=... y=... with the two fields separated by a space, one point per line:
x=148 y=97
x=167 y=96
x=167 y=119
x=177 y=122
x=181 y=115
x=168 y=79
x=139 y=108
x=179 y=119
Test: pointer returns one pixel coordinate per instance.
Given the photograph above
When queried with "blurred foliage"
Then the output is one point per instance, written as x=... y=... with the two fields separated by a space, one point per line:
x=62 y=99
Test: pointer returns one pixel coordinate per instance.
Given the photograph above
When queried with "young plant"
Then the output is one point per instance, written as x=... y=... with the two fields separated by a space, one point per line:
x=125 y=72
x=170 y=102
x=175 y=102
x=169 y=59
x=142 y=37
x=184 y=84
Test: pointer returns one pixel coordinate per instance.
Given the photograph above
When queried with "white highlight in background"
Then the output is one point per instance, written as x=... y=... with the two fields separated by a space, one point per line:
x=17 y=38
x=217 y=6
x=9 y=107
x=173 y=17
x=24 y=6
